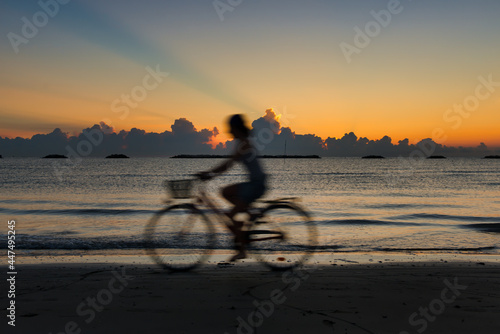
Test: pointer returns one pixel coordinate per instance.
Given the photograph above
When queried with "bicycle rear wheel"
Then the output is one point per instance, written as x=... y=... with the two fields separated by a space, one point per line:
x=179 y=237
x=284 y=237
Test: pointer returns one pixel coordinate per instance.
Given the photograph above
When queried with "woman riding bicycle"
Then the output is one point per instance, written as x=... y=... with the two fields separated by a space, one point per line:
x=241 y=195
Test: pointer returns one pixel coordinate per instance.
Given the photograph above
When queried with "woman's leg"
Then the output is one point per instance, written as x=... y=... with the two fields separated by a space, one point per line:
x=231 y=194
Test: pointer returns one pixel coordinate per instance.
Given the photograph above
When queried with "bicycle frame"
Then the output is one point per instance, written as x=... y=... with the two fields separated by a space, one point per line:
x=206 y=201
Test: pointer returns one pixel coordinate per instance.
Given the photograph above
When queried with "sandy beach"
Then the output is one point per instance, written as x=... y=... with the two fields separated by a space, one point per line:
x=409 y=297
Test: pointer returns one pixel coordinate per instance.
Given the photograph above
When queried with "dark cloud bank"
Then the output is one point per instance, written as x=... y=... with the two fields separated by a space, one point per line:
x=270 y=137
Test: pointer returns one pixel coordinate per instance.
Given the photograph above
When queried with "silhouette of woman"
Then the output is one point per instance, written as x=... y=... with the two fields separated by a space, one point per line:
x=241 y=195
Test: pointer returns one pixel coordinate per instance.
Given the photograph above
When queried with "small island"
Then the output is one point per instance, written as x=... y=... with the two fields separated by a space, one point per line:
x=486 y=157
x=55 y=156
x=436 y=157
x=215 y=156
x=373 y=157
x=289 y=156
x=117 y=156
x=1 y=156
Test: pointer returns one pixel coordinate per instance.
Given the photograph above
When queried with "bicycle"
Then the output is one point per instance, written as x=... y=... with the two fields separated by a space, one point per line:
x=180 y=236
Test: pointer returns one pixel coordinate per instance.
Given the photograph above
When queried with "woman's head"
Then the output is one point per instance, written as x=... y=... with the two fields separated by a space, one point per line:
x=238 y=127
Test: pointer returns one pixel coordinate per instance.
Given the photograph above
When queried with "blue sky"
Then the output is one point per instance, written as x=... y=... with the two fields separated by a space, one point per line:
x=264 y=54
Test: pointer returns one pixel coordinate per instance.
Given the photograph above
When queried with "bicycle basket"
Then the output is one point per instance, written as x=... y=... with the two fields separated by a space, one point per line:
x=179 y=188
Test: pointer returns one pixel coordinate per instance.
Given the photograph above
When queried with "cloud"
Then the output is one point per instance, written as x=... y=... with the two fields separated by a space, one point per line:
x=106 y=129
x=102 y=140
x=35 y=146
x=350 y=145
x=270 y=121
x=268 y=135
x=270 y=138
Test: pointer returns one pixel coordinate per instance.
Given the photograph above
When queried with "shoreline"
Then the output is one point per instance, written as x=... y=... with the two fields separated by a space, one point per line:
x=127 y=297
x=139 y=256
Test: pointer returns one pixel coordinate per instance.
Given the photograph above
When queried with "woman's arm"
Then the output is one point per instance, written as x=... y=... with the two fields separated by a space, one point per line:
x=219 y=169
x=244 y=145
x=223 y=166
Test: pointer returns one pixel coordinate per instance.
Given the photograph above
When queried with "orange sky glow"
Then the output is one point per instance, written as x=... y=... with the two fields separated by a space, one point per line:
x=425 y=75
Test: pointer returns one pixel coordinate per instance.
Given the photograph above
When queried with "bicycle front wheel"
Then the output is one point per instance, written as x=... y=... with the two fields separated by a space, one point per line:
x=179 y=237
x=284 y=237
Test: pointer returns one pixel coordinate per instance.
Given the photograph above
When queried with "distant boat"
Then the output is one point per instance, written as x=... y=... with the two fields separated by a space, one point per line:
x=55 y=156
x=492 y=157
x=117 y=156
x=436 y=157
x=373 y=157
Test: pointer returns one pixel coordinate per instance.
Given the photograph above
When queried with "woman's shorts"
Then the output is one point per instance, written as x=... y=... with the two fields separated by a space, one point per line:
x=248 y=192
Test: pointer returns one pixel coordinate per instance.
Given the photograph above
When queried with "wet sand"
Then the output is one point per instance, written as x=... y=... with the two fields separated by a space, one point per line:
x=457 y=297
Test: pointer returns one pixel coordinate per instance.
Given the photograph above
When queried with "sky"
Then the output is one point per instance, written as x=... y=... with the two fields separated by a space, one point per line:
x=403 y=69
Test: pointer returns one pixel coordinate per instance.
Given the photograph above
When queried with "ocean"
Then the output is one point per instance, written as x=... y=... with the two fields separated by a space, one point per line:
x=393 y=205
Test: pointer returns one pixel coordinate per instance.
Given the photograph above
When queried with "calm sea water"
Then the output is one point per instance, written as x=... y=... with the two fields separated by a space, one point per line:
x=389 y=205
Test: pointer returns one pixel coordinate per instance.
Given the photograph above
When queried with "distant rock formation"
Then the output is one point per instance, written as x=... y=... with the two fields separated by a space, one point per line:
x=436 y=157
x=486 y=157
x=55 y=156
x=373 y=157
x=213 y=156
x=200 y=156
x=289 y=156
x=117 y=156
x=1 y=156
